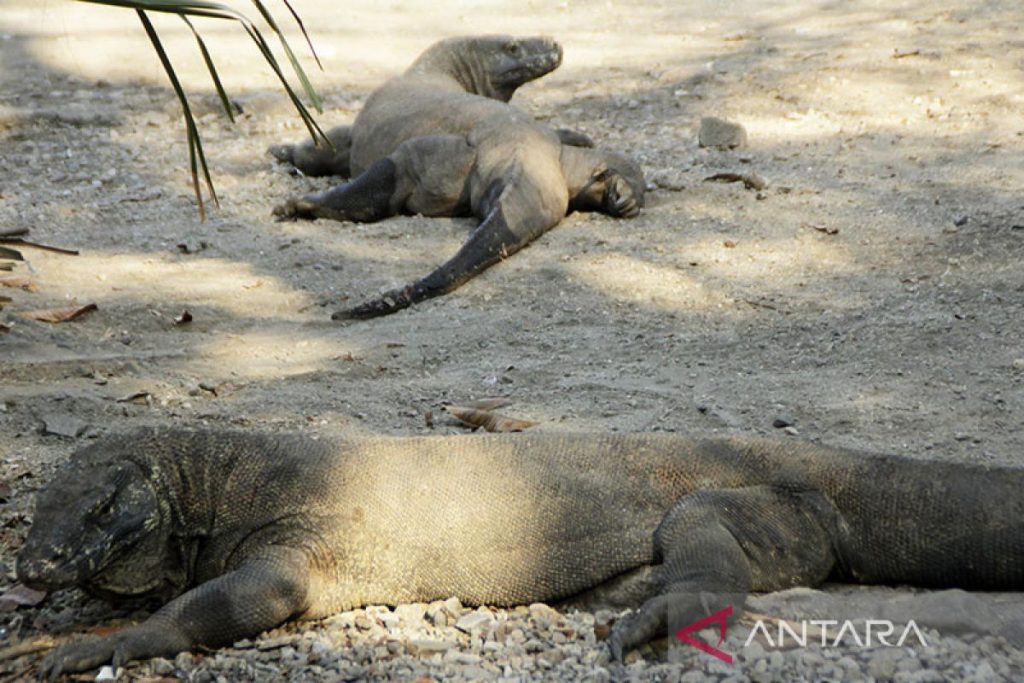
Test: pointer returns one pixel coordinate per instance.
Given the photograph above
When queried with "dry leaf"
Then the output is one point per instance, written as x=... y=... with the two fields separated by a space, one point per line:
x=4 y=329
x=37 y=245
x=20 y=595
x=12 y=254
x=21 y=281
x=137 y=396
x=102 y=630
x=822 y=228
x=488 y=403
x=58 y=315
x=27 y=647
x=492 y=422
x=729 y=244
x=751 y=181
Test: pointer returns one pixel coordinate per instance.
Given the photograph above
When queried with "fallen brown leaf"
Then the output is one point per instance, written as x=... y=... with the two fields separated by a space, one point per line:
x=134 y=397
x=37 y=245
x=12 y=254
x=27 y=647
x=492 y=422
x=751 y=181
x=105 y=629
x=828 y=230
x=488 y=403
x=20 y=595
x=20 y=281
x=729 y=244
x=58 y=315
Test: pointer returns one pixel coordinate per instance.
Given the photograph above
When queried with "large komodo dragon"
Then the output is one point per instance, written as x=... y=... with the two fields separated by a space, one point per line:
x=242 y=531
x=441 y=140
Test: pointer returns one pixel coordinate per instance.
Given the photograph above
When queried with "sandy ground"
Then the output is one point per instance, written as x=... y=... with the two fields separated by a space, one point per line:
x=873 y=293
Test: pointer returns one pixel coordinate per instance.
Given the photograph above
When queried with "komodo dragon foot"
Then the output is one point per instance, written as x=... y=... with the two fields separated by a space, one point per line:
x=620 y=200
x=295 y=209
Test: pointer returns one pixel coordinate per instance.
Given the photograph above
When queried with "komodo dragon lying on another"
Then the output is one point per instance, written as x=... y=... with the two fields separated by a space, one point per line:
x=242 y=532
x=440 y=140
x=489 y=66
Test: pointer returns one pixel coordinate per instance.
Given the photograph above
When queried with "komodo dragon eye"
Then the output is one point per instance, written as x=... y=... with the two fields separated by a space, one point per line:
x=513 y=49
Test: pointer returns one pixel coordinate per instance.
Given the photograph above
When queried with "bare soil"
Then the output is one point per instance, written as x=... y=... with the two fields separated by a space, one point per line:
x=872 y=294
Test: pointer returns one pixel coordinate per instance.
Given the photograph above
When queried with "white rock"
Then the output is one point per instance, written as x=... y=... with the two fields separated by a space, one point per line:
x=472 y=621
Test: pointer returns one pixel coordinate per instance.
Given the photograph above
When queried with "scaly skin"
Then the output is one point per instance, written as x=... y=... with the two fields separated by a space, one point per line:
x=440 y=140
x=492 y=67
x=240 y=532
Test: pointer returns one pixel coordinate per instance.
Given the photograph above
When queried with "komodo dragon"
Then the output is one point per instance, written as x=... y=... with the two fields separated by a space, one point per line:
x=241 y=531
x=428 y=143
x=489 y=66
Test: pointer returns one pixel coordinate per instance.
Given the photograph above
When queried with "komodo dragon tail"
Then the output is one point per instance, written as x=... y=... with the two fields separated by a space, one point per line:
x=516 y=217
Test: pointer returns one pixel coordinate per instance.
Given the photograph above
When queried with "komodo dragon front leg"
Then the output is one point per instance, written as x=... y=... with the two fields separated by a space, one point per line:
x=264 y=592
x=716 y=546
x=314 y=158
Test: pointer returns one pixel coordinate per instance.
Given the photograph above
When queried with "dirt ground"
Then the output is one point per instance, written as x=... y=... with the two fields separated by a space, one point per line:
x=872 y=293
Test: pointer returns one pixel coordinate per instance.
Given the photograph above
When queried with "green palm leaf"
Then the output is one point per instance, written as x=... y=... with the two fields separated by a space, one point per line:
x=216 y=10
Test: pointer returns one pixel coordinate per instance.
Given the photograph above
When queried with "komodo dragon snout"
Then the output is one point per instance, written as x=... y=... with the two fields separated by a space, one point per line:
x=495 y=66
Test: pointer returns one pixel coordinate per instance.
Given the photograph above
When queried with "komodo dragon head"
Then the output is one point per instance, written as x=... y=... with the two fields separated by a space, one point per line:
x=491 y=66
x=100 y=525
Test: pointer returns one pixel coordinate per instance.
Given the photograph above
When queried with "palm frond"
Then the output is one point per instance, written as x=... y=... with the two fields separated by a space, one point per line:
x=216 y=10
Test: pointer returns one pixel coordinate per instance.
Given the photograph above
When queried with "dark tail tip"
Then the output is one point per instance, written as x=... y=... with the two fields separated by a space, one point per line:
x=392 y=302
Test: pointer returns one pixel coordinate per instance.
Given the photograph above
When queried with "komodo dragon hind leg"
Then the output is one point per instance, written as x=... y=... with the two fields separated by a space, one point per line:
x=319 y=160
x=365 y=199
x=714 y=547
x=512 y=221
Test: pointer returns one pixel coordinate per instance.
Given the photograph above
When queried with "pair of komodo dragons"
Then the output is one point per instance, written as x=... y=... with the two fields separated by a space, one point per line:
x=238 y=532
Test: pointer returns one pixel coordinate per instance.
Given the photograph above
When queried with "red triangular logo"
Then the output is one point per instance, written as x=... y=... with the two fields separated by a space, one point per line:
x=721 y=618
